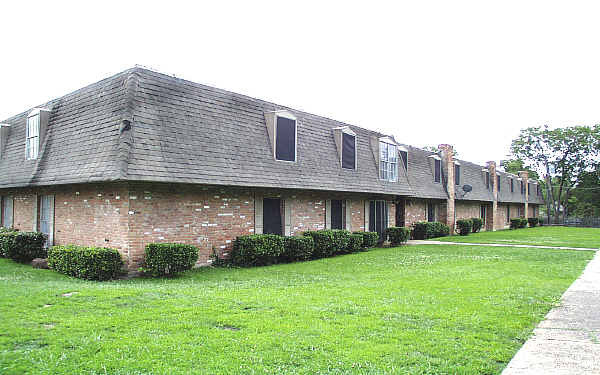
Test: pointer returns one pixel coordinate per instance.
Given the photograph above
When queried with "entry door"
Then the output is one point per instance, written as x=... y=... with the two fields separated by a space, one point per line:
x=272 y=216
x=400 y=211
x=378 y=218
x=337 y=214
x=47 y=217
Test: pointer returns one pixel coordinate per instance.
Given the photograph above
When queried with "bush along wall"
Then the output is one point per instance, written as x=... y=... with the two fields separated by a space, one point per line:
x=515 y=223
x=533 y=222
x=370 y=239
x=397 y=235
x=523 y=223
x=267 y=249
x=423 y=230
x=477 y=224
x=464 y=227
x=23 y=246
x=91 y=263
x=167 y=259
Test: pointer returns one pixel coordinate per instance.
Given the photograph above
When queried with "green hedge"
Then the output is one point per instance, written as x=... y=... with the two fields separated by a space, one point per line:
x=523 y=223
x=23 y=246
x=477 y=224
x=464 y=227
x=298 y=248
x=341 y=240
x=533 y=222
x=515 y=223
x=324 y=243
x=90 y=263
x=164 y=259
x=355 y=243
x=257 y=250
x=397 y=235
x=370 y=239
x=423 y=230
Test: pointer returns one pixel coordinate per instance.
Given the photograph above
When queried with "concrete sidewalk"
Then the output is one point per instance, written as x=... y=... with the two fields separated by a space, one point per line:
x=567 y=341
x=423 y=242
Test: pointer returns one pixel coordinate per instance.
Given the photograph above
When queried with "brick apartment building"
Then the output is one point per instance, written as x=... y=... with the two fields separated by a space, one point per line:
x=144 y=157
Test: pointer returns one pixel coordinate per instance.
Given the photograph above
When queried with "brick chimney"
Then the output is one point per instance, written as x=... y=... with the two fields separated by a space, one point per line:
x=525 y=177
x=492 y=217
x=447 y=155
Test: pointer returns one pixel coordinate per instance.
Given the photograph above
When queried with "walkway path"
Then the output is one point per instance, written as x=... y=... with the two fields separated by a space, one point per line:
x=423 y=242
x=567 y=341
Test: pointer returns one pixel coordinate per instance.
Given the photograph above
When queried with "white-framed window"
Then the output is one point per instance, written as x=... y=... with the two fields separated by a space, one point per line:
x=388 y=161
x=32 y=144
x=285 y=138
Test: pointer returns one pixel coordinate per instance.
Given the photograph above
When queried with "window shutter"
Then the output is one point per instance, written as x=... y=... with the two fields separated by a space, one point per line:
x=258 y=214
x=348 y=214
x=35 y=213
x=328 y=214
x=367 y=215
x=50 y=202
x=457 y=174
x=287 y=216
x=404 y=156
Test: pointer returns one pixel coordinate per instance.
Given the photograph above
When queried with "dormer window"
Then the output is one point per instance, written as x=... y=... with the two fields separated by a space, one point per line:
x=404 y=156
x=512 y=185
x=437 y=168
x=456 y=173
x=388 y=160
x=285 y=139
x=4 y=129
x=348 y=151
x=522 y=187
x=498 y=182
x=32 y=145
x=283 y=134
x=487 y=180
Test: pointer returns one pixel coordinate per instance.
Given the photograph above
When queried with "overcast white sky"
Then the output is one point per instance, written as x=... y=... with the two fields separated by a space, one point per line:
x=468 y=73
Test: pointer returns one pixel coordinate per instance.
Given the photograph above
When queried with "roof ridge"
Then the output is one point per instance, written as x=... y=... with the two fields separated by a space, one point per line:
x=125 y=141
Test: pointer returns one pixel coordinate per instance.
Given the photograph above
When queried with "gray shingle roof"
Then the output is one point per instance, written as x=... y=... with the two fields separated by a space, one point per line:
x=421 y=174
x=140 y=125
x=472 y=174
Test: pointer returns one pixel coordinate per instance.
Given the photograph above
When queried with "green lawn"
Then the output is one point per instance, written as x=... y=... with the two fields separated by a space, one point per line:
x=411 y=310
x=545 y=236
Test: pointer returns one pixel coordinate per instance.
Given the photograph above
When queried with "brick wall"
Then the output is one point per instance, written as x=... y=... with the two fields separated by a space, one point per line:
x=415 y=210
x=129 y=216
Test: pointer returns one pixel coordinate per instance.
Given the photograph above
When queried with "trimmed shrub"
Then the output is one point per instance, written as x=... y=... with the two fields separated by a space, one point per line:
x=298 y=248
x=257 y=250
x=515 y=223
x=23 y=246
x=397 y=235
x=323 y=243
x=477 y=224
x=341 y=240
x=533 y=222
x=523 y=223
x=90 y=263
x=164 y=259
x=423 y=230
x=370 y=239
x=355 y=243
x=540 y=222
x=464 y=227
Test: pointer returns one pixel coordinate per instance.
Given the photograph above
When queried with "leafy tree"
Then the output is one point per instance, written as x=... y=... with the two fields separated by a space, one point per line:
x=561 y=155
x=515 y=166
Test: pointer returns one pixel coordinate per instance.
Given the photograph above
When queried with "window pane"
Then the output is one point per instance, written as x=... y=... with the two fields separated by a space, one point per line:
x=348 y=151
x=337 y=214
x=392 y=154
x=383 y=151
x=393 y=174
x=438 y=170
x=383 y=170
x=286 y=139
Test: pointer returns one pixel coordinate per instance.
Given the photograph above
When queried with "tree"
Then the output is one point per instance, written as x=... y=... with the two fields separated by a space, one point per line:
x=561 y=155
x=515 y=166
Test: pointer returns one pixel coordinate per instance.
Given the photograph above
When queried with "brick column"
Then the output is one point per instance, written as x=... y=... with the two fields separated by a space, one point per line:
x=491 y=165
x=448 y=170
x=525 y=177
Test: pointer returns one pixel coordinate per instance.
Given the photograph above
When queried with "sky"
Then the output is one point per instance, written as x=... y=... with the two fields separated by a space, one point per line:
x=467 y=73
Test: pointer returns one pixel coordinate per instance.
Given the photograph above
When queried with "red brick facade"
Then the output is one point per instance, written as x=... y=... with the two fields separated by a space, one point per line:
x=129 y=216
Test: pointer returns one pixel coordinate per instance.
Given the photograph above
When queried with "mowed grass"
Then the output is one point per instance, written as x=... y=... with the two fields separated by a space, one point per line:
x=545 y=236
x=410 y=310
